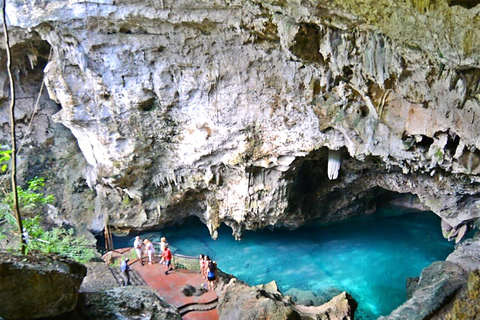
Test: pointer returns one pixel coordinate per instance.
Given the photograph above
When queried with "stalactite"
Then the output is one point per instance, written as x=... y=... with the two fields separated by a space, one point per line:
x=333 y=163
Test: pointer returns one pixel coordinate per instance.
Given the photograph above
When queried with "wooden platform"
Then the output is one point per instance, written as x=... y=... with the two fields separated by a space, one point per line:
x=170 y=288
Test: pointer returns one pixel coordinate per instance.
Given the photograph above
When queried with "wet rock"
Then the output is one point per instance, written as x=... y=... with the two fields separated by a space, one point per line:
x=412 y=284
x=126 y=303
x=38 y=286
x=306 y=298
x=437 y=285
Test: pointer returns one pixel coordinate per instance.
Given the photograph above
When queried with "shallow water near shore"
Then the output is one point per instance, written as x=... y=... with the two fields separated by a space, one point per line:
x=370 y=258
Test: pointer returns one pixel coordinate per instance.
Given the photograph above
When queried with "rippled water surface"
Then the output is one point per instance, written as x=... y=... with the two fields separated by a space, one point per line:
x=370 y=258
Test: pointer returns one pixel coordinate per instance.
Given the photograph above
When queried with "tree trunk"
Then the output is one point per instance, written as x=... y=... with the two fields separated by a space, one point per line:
x=16 y=208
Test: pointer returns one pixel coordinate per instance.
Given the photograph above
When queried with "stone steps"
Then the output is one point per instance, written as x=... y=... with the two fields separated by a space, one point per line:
x=200 y=306
x=135 y=278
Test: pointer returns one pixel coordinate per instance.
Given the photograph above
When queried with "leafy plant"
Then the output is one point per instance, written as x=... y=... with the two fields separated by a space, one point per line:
x=5 y=156
x=57 y=240
x=32 y=197
x=61 y=241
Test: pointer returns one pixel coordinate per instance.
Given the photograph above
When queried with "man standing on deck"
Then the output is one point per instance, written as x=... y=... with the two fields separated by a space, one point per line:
x=167 y=257
x=137 y=245
x=125 y=268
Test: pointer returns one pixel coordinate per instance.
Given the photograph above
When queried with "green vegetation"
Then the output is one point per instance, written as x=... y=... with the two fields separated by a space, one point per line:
x=4 y=159
x=57 y=240
x=32 y=197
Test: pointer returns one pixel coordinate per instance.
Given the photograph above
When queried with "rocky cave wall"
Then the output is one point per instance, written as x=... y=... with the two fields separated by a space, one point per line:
x=227 y=109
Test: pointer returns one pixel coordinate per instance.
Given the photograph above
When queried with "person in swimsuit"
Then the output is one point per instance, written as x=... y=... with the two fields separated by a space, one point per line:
x=211 y=274
x=203 y=269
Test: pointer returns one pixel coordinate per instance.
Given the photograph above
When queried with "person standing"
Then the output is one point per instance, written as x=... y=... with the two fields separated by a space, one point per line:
x=150 y=251
x=163 y=243
x=167 y=257
x=211 y=274
x=203 y=266
x=137 y=245
x=125 y=268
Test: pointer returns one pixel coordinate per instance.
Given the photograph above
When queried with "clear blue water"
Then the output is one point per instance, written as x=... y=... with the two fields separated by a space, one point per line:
x=370 y=258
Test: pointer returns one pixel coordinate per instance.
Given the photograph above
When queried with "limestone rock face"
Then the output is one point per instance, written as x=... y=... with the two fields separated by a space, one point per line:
x=38 y=286
x=227 y=109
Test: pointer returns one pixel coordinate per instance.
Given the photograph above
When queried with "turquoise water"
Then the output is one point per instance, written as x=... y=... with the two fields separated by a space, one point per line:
x=370 y=258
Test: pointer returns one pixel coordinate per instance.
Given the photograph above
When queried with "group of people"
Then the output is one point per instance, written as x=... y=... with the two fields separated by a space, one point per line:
x=147 y=245
x=208 y=269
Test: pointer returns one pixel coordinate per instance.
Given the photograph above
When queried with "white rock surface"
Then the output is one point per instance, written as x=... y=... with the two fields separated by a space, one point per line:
x=226 y=109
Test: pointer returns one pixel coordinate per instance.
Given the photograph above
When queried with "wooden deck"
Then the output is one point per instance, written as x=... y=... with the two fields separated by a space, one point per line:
x=170 y=288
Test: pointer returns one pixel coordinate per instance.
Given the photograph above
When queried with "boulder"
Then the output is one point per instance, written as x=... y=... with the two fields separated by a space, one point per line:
x=189 y=290
x=98 y=278
x=240 y=301
x=438 y=283
x=467 y=254
x=125 y=303
x=340 y=307
x=38 y=286
x=237 y=300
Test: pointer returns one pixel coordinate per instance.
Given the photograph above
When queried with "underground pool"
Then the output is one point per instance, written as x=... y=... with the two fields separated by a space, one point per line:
x=369 y=257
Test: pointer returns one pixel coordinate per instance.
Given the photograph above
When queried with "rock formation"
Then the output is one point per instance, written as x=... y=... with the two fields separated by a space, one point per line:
x=468 y=307
x=232 y=110
x=240 y=301
x=442 y=290
x=126 y=303
x=37 y=286
x=438 y=284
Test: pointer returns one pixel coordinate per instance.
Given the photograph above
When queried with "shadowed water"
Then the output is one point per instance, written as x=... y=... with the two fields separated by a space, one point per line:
x=370 y=258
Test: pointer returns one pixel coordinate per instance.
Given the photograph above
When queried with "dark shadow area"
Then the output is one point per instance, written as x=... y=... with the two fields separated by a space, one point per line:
x=468 y=4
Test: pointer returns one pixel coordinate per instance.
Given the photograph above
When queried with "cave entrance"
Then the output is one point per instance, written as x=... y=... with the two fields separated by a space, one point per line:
x=359 y=189
x=370 y=257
